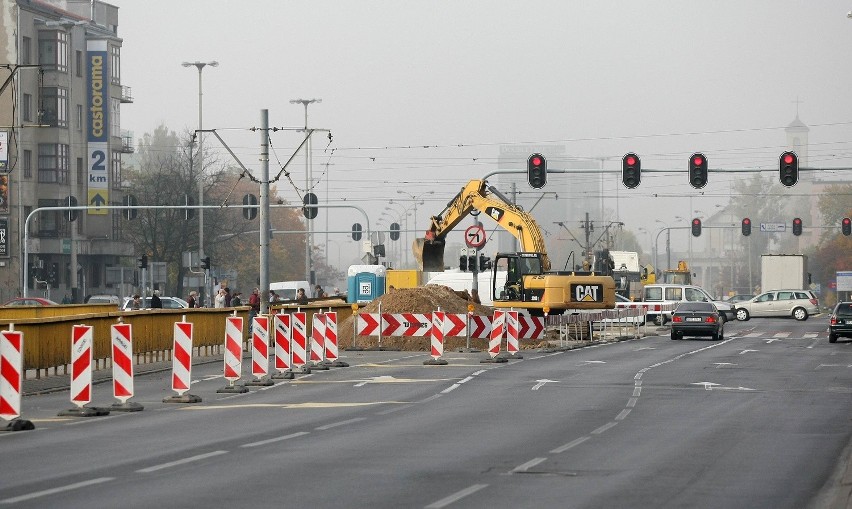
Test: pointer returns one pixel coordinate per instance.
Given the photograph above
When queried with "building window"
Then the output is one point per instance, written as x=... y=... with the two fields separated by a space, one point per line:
x=79 y=119
x=115 y=65
x=81 y=171
x=26 y=51
x=54 y=106
x=116 y=170
x=115 y=117
x=27 y=164
x=27 y=108
x=78 y=63
x=53 y=50
x=52 y=223
x=53 y=163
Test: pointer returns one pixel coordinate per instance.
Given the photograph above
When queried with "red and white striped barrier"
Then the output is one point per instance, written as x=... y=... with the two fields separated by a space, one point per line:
x=331 y=350
x=318 y=339
x=438 y=334
x=11 y=373
x=81 y=365
x=300 y=339
x=512 y=332
x=282 y=342
x=260 y=347
x=182 y=357
x=498 y=328
x=122 y=361
x=418 y=324
x=233 y=348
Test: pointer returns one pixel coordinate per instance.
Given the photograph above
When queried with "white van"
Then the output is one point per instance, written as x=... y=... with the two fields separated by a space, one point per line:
x=464 y=281
x=287 y=289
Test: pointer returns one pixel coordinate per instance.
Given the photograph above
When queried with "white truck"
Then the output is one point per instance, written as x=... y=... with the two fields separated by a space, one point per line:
x=784 y=272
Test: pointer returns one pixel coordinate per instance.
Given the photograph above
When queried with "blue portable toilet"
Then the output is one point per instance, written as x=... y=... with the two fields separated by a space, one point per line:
x=365 y=283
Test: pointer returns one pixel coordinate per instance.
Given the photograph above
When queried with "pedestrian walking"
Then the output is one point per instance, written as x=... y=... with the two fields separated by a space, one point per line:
x=155 y=300
x=219 y=300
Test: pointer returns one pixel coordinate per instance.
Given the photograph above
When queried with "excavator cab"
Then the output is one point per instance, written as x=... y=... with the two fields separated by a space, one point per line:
x=516 y=265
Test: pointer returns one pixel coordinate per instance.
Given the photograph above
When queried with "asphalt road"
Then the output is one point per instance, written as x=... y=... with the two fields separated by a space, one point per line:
x=760 y=419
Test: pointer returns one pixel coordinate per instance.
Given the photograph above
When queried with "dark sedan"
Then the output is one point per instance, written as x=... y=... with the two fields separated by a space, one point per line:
x=840 y=322
x=697 y=319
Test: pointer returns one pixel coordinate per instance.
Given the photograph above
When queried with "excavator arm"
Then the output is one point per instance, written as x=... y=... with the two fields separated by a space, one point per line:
x=476 y=195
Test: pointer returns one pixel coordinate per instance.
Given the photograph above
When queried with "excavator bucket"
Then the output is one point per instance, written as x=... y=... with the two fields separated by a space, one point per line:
x=429 y=254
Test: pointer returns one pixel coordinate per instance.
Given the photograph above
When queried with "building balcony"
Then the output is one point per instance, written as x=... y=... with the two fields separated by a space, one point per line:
x=126 y=145
x=126 y=95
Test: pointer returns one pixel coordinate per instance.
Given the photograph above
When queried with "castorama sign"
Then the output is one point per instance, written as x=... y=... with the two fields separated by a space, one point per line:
x=97 y=92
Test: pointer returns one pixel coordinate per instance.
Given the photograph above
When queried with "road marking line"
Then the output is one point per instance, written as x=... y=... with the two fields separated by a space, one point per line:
x=341 y=423
x=53 y=491
x=276 y=439
x=569 y=445
x=753 y=335
x=632 y=402
x=444 y=502
x=450 y=388
x=624 y=413
x=467 y=379
x=481 y=371
x=638 y=383
x=637 y=392
x=782 y=335
x=392 y=410
x=180 y=462
x=528 y=465
x=638 y=376
x=430 y=398
x=604 y=428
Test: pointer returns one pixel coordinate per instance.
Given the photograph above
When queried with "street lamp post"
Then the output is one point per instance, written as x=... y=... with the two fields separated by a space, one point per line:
x=414 y=198
x=309 y=236
x=200 y=66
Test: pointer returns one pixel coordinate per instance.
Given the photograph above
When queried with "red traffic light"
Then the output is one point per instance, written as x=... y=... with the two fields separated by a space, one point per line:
x=846 y=226
x=536 y=161
x=797 y=221
x=788 y=158
x=697 y=160
x=631 y=160
x=746 y=221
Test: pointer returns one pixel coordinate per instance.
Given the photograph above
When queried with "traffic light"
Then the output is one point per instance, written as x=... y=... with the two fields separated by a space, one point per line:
x=484 y=263
x=142 y=262
x=788 y=168
x=248 y=211
x=797 y=226
x=746 y=226
x=307 y=211
x=205 y=263
x=537 y=171
x=631 y=167
x=696 y=227
x=697 y=170
x=188 y=213
x=394 y=231
x=846 y=226
x=71 y=201
x=130 y=201
x=463 y=263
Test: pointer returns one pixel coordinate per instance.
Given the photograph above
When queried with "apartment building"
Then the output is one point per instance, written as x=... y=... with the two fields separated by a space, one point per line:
x=61 y=142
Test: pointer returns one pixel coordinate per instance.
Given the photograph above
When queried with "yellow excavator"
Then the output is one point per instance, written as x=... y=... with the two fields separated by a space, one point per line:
x=530 y=284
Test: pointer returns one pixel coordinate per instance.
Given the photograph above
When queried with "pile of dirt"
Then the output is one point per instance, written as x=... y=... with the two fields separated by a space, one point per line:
x=420 y=300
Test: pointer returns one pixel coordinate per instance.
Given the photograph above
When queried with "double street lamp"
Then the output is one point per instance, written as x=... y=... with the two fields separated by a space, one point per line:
x=200 y=66
x=309 y=236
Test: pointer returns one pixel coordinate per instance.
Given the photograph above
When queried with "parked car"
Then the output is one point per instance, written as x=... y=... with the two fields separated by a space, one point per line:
x=840 y=322
x=29 y=301
x=796 y=303
x=103 y=299
x=697 y=319
x=674 y=294
x=740 y=297
x=168 y=303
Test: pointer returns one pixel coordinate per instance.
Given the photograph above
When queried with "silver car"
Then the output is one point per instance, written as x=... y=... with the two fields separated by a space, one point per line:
x=796 y=303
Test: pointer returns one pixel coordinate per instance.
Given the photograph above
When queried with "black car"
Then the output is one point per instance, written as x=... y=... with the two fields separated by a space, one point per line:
x=697 y=319
x=840 y=322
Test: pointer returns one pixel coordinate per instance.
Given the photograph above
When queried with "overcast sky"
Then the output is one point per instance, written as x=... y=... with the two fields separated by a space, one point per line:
x=455 y=80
